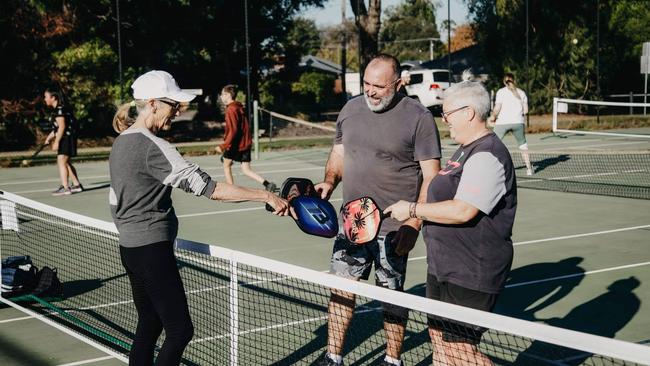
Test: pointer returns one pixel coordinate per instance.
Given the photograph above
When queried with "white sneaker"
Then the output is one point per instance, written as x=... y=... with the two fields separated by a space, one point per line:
x=529 y=172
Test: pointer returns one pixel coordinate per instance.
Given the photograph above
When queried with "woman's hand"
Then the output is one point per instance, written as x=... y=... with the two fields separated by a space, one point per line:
x=280 y=206
x=399 y=211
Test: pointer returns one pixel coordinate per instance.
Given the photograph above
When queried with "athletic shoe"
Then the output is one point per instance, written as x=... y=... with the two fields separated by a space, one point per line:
x=62 y=191
x=529 y=172
x=326 y=361
x=77 y=189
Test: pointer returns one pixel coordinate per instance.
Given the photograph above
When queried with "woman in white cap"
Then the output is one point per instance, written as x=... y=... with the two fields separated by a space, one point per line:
x=144 y=168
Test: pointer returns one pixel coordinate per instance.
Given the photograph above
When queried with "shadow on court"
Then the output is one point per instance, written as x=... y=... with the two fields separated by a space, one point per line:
x=543 y=164
x=367 y=324
x=100 y=185
x=525 y=287
x=604 y=315
x=15 y=352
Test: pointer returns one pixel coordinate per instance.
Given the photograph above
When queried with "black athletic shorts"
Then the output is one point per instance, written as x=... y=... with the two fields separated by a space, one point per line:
x=68 y=146
x=452 y=330
x=240 y=156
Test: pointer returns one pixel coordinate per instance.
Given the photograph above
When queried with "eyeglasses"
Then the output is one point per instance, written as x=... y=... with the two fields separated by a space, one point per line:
x=174 y=104
x=380 y=87
x=446 y=115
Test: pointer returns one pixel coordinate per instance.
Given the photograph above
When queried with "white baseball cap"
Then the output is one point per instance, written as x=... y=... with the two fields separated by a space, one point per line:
x=158 y=84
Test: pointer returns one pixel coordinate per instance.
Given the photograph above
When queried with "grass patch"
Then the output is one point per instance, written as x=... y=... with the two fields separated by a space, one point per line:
x=194 y=150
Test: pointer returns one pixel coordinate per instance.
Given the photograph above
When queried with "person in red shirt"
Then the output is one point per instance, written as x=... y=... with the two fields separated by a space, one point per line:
x=237 y=139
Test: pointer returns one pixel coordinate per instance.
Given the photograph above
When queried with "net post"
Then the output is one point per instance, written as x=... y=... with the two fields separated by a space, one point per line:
x=234 y=313
x=555 y=114
x=256 y=129
x=631 y=101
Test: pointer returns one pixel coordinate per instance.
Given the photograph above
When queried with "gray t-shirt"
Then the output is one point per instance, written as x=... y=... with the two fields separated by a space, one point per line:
x=144 y=169
x=383 y=150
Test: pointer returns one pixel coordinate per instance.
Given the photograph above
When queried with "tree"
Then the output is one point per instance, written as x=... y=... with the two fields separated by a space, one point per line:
x=463 y=37
x=412 y=19
x=563 y=45
x=203 y=47
x=368 y=21
x=302 y=39
x=331 y=43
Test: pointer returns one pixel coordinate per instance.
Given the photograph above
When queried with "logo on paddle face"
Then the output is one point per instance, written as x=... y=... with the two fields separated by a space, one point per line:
x=319 y=215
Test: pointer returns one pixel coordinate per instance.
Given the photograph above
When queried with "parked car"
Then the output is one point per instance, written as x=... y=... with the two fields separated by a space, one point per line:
x=427 y=85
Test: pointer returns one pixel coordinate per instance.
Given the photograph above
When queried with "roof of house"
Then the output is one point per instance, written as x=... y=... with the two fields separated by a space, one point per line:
x=320 y=64
x=468 y=57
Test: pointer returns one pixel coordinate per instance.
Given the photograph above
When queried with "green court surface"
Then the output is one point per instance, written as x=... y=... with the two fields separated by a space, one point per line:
x=581 y=261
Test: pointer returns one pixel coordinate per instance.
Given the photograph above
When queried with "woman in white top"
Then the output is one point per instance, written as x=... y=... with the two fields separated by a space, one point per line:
x=508 y=114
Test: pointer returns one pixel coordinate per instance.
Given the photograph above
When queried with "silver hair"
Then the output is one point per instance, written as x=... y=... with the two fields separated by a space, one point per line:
x=469 y=93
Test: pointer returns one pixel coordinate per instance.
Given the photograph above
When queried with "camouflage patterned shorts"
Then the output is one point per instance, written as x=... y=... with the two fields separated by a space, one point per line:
x=355 y=261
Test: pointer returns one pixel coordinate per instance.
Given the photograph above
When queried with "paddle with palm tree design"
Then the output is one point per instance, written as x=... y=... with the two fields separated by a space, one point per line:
x=361 y=220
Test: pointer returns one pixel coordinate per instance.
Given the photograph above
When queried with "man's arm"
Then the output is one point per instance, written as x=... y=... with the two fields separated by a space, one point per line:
x=333 y=172
x=429 y=169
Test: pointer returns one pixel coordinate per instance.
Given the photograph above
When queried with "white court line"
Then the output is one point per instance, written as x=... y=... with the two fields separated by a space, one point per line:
x=565 y=237
x=603 y=145
x=582 y=235
x=15 y=319
x=213 y=176
x=87 y=361
x=21 y=182
x=236 y=210
x=578 y=274
x=535 y=180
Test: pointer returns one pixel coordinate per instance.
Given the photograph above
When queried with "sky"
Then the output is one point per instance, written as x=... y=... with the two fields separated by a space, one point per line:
x=330 y=14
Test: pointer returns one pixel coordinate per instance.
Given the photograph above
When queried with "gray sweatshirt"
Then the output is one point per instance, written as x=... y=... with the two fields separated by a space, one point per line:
x=144 y=169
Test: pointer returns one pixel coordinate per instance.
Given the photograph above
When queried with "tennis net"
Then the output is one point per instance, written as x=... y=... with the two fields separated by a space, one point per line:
x=249 y=310
x=610 y=173
x=586 y=117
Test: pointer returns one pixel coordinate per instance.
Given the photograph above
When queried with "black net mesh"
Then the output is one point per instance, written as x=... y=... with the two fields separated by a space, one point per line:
x=244 y=314
x=620 y=174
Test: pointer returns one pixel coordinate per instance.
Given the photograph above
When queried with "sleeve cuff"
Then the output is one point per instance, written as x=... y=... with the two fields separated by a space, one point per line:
x=209 y=188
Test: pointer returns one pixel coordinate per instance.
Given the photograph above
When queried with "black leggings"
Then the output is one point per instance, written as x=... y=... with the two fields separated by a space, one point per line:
x=160 y=299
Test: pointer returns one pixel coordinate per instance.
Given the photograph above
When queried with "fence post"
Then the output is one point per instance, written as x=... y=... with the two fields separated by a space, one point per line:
x=256 y=129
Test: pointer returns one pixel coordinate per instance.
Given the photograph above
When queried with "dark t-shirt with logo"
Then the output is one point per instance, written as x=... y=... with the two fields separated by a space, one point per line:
x=70 y=122
x=478 y=254
x=383 y=151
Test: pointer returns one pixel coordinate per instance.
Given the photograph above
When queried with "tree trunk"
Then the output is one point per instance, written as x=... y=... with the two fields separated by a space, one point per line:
x=368 y=21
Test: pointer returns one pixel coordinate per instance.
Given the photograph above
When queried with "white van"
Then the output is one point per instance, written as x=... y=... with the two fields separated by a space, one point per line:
x=427 y=85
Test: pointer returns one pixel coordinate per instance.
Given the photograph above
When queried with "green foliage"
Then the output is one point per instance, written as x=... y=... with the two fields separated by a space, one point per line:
x=302 y=39
x=558 y=65
x=201 y=42
x=314 y=86
x=412 y=19
x=87 y=74
x=332 y=38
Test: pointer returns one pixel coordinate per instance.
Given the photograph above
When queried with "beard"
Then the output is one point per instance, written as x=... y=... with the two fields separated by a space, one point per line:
x=384 y=102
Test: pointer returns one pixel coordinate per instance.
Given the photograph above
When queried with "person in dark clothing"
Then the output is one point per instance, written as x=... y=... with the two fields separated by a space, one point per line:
x=468 y=219
x=237 y=139
x=64 y=141
x=144 y=169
